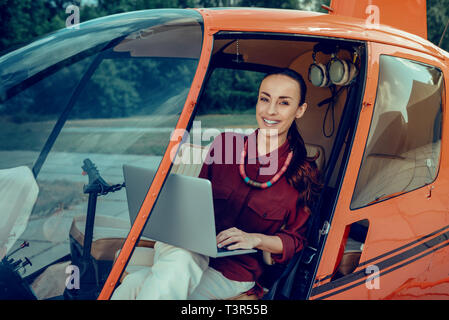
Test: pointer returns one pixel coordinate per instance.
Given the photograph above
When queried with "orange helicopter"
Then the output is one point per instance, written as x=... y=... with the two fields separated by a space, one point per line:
x=376 y=96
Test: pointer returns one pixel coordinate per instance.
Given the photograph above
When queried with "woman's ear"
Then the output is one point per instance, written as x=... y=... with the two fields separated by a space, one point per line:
x=301 y=110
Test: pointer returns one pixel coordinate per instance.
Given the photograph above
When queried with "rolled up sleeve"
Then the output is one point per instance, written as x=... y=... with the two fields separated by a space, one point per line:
x=292 y=235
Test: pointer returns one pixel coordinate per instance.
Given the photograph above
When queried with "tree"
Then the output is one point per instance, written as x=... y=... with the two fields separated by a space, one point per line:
x=23 y=20
x=437 y=19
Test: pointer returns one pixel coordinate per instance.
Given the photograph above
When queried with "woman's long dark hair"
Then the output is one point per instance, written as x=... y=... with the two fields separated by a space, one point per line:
x=302 y=173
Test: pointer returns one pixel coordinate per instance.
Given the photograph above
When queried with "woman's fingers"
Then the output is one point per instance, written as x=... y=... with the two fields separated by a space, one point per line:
x=225 y=237
x=226 y=234
x=236 y=237
x=230 y=240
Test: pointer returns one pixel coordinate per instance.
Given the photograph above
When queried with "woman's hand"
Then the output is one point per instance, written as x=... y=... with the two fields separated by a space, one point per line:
x=238 y=239
x=243 y=240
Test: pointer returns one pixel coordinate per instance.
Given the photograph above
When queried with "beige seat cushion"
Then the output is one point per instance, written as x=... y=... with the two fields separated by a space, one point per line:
x=142 y=257
x=312 y=150
x=109 y=235
x=189 y=160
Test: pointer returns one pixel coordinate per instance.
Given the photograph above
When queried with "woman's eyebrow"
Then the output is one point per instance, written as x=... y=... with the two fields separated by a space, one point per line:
x=283 y=97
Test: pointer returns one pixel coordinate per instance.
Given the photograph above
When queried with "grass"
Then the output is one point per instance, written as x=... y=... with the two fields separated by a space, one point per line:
x=56 y=196
x=24 y=136
x=130 y=122
x=243 y=120
x=237 y=120
x=31 y=136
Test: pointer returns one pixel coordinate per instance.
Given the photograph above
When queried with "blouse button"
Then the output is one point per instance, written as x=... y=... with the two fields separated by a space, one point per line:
x=264 y=215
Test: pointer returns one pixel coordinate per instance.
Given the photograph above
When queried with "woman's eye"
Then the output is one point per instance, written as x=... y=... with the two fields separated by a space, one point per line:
x=285 y=103
x=263 y=99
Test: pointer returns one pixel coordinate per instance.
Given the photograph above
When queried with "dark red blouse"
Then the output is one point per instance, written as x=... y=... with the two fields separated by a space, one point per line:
x=271 y=211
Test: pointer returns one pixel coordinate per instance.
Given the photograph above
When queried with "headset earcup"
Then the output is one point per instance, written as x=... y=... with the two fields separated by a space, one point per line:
x=338 y=72
x=318 y=75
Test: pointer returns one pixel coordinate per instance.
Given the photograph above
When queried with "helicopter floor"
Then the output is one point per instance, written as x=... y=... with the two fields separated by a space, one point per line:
x=52 y=282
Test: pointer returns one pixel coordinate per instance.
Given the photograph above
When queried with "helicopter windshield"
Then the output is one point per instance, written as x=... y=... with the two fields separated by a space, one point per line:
x=111 y=92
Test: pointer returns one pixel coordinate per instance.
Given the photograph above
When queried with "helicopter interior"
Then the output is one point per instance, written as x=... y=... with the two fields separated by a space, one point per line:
x=333 y=94
x=227 y=100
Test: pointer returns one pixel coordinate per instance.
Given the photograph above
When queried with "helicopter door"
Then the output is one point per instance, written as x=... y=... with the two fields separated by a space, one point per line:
x=112 y=92
x=393 y=190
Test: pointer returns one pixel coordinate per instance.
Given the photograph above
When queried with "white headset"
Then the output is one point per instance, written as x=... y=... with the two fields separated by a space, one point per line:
x=339 y=72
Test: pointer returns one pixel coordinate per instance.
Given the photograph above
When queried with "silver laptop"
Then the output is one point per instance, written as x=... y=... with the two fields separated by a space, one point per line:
x=183 y=215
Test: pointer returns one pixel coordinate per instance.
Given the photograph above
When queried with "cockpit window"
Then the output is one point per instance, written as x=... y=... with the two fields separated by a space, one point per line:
x=111 y=93
x=403 y=148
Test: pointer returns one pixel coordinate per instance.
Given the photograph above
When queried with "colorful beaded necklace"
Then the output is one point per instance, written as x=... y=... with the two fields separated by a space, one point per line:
x=267 y=184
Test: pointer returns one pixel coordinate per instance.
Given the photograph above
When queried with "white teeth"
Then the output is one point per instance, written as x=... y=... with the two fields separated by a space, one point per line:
x=270 y=122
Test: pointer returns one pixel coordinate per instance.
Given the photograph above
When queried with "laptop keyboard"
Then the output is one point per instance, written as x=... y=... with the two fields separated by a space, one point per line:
x=220 y=250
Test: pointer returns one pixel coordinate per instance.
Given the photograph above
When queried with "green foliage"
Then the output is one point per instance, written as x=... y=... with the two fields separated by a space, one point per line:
x=129 y=87
x=23 y=20
x=437 y=19
x=230 y=91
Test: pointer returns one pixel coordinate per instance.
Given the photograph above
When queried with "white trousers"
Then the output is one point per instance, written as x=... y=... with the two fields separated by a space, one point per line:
x=178 y=274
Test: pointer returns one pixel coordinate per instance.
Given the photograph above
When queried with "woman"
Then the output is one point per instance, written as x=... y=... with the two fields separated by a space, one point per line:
x=261 y=200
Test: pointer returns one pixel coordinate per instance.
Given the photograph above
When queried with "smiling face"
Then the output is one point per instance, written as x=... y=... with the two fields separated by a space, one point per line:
x=278 y=106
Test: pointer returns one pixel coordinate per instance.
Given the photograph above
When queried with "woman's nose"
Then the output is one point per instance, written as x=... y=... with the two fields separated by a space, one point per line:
x=272 y=109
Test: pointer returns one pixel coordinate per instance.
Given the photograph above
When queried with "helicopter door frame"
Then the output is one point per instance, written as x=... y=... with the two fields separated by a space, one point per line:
x=378 y=261
x=183 y=125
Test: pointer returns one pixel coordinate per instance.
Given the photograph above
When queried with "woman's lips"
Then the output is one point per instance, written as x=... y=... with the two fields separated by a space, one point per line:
x=270 y=122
